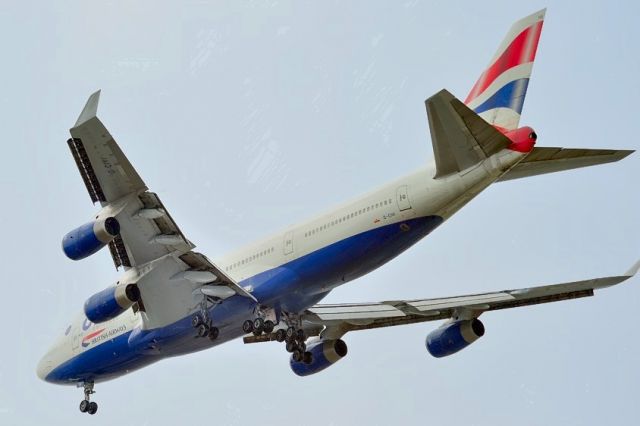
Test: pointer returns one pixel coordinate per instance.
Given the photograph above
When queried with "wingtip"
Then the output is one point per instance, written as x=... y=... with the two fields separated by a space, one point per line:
x=633 y=270
x=90 y=109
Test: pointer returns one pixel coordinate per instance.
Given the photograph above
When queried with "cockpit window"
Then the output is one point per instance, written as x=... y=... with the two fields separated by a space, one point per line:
x=66 y=333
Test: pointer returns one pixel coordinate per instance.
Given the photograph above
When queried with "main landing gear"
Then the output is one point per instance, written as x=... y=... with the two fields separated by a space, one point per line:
x=294 y=338
x=203 y=324
x=204 y=327
x=87 y=406
x=258 y=326
x=295 y=344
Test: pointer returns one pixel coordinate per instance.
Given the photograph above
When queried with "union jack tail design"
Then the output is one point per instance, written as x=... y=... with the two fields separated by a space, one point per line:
x=499 y=93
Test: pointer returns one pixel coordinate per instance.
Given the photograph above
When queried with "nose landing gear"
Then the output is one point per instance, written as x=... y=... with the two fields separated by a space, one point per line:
x=87 y=406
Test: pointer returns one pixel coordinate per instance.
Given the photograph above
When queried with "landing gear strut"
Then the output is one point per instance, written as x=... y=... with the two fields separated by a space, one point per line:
x=203 y=324
x=87 y=406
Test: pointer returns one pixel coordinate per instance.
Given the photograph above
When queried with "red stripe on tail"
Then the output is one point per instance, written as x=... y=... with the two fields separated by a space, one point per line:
x=521 y=50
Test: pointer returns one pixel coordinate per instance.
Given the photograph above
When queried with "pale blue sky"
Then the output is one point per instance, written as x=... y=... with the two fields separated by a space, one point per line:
x=247 y=116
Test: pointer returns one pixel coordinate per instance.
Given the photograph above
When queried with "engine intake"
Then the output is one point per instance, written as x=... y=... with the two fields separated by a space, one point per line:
x=89 y=238
x=323 y=354
x=453 y=337
x=111 y=302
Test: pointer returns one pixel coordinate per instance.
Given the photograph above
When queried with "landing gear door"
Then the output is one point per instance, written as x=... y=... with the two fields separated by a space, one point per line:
x=402 y=198
x=288 y=243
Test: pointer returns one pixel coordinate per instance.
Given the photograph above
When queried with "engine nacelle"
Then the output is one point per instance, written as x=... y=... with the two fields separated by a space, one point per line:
x=453 y=337
x=111 y=302
x=323 y=354
x=89 y=238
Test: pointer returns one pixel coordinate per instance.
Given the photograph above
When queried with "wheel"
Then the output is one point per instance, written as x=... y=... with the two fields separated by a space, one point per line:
x=196 y=320
x=93 y=408
x=213 y=333
x=307 y=358
x=302 y=346
x=290 y=346
x=297 y=355
x=203 y=330
x=290 y=334
x=301 y=336
x=280 y=335
x=258 y=324
x=247 y=326
x=268 y=326
x=84 y=405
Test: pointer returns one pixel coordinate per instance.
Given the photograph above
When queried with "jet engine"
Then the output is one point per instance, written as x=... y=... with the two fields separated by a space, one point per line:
x=89 y=238
x=323 y=354
x=111 y=302
x=453 y=337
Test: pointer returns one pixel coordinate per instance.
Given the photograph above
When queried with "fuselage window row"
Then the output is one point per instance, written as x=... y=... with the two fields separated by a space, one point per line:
x=347 y=217
x=249 y=259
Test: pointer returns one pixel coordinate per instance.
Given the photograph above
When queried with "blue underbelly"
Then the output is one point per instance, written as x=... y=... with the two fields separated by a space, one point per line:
x=292 y=287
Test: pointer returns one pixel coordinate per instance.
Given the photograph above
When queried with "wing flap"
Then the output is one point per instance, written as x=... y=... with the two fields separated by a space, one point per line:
x=200 y=262
x=544 y=160
x=361 y=316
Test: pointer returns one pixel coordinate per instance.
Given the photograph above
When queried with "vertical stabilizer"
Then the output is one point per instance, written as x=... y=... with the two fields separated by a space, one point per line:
x=499 y=93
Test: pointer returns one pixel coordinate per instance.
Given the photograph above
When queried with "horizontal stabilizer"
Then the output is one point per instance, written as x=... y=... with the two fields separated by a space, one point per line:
x=551 y=160
x=460 y=138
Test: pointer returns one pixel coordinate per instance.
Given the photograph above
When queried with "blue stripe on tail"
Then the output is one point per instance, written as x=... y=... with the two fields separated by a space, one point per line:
x=509 y=96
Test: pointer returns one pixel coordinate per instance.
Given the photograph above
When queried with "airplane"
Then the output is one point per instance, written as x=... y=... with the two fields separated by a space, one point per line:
x=171 y=300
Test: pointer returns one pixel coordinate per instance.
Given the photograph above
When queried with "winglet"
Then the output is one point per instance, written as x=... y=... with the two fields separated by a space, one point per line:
x=90 y=109
x=633 y=270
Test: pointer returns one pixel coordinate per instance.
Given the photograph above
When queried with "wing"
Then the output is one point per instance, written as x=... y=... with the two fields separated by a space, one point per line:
x=550 y=160
x=151 y=247
x=332 y=321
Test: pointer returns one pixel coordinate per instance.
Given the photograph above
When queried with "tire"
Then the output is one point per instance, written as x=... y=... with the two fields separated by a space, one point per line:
x=301 y=335
x=84 y=405
x=203 y=330
x=213 y=333
x=196 y=321
x=280 y=335
x=302 y=347
x=268 y=326
x=93 y=408
x=297 y=355
x=290 y=347
x=290 y=334
x=258 y=324
x=247 y=326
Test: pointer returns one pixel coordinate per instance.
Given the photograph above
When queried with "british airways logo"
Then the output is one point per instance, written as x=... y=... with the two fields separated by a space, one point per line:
x=102 y=335
x=86 y=341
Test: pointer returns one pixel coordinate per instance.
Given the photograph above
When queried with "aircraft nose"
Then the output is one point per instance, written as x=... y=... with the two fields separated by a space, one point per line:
x=44 y=368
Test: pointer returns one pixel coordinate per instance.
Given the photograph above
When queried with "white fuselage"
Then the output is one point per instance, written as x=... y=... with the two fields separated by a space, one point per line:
x=357 y=229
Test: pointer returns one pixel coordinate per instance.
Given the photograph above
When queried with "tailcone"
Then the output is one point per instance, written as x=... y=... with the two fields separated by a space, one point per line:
x=523 y=139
